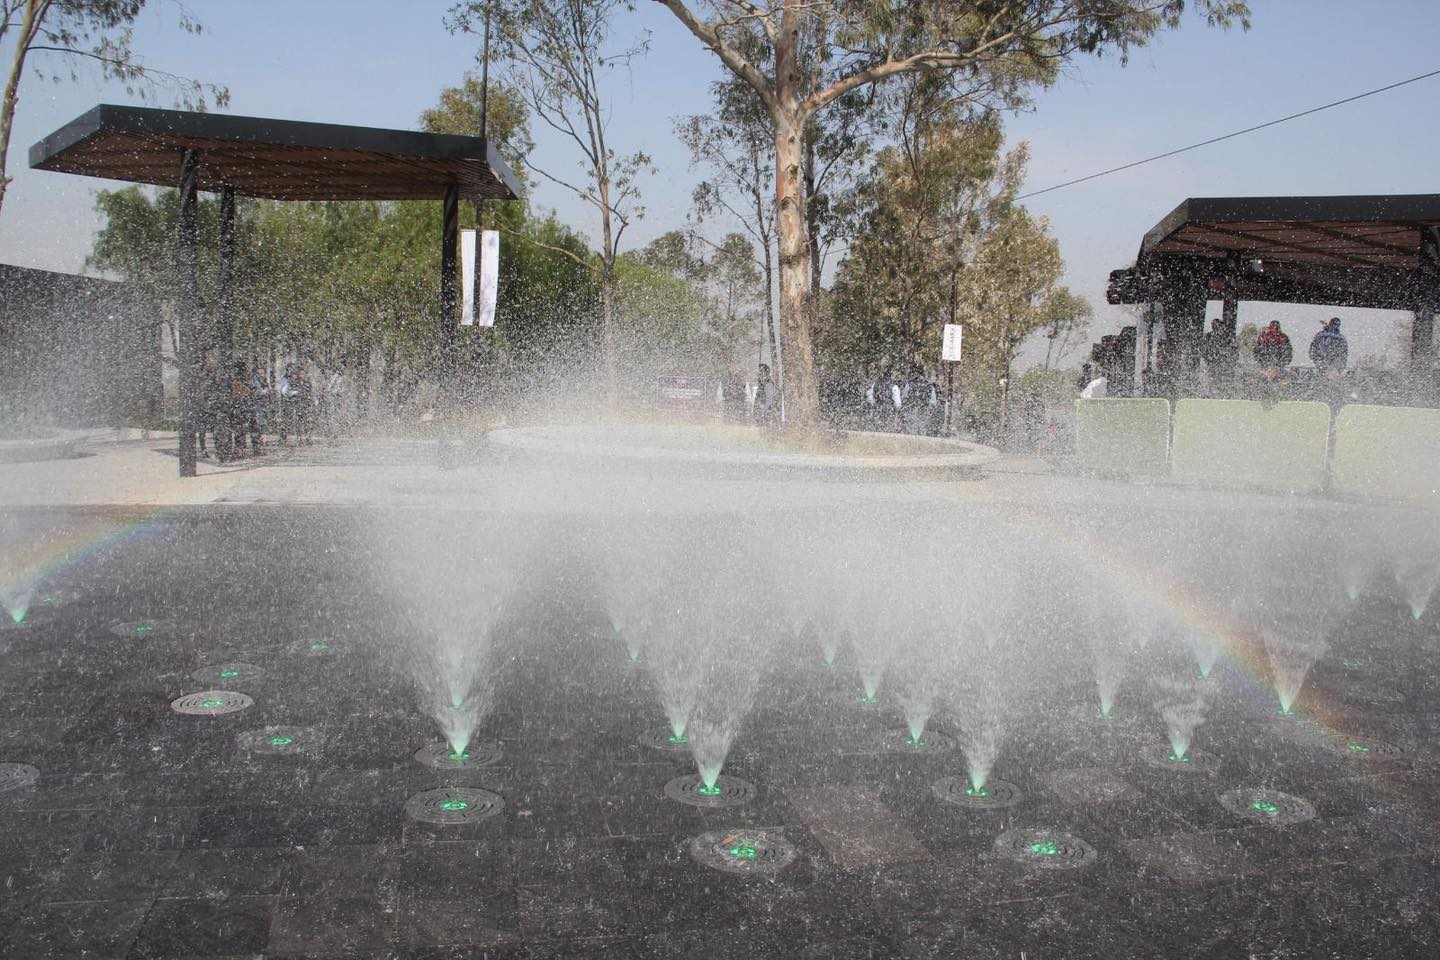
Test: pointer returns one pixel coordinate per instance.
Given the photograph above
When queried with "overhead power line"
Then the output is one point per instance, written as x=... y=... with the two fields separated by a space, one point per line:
x=1229 y=136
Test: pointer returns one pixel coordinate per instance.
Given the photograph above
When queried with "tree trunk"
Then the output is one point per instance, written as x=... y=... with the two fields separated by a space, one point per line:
x=607 y=300
x=12 y=92
x=812 y=216
x=770 y=314
x=607 y=291
x=802 y=404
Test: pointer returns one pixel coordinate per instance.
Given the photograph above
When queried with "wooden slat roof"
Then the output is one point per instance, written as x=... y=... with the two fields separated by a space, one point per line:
x=1360 y=232
x=275 y=159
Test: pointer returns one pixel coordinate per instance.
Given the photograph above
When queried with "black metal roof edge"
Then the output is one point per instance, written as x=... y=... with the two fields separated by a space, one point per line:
x=111 y=118
x=82 y=127
x=1417 y=207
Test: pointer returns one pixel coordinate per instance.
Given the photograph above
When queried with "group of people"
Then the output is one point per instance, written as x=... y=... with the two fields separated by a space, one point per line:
x=237 y=408
x=891 y=404
x=1329 y=350
x=903 y=406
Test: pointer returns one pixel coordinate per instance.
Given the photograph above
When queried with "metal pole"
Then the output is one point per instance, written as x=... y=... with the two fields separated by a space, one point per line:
x=188 y=308
x=485 y=79
x=449 y=286
x=225 y=320
x=949 y=398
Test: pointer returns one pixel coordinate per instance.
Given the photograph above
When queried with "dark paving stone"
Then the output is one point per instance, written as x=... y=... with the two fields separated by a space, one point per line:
x=100 y=930
x=243 y=871
x=324 y=926
x=228 y=926
x=299 y=825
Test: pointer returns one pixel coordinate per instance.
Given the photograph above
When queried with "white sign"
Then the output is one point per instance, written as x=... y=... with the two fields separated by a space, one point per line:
x=489 y=276
x=954 y=340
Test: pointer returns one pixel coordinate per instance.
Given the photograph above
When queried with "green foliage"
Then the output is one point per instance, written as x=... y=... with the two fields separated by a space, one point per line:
x=939 y=239
x=507 y=125
x=684 y=310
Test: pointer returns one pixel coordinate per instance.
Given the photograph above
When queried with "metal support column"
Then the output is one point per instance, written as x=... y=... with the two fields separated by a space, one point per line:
x=449 y=317
x=449 y=289
x=1230 y=321
x=225 y=325
x=1427 y=303
x=187 y=319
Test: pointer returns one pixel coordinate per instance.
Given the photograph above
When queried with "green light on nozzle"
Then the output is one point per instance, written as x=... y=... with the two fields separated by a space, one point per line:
x=281 y=741
x=743 y=852
x=1045 y=848
x=1265 y=806
x=212 y=704
x=705 y=791
x=454 y=805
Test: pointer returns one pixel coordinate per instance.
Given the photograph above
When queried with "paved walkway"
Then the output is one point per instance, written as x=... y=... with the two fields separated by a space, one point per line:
x=394 y=472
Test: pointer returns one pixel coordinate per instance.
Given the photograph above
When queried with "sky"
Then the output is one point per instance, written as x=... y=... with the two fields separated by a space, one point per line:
x=380 y=64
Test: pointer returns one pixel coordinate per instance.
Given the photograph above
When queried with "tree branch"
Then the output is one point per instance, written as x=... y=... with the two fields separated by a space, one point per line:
x=732 y=58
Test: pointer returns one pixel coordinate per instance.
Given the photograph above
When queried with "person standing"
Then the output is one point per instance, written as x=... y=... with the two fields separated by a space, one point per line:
x=1220 y=352
x=1329 y=351
x=238 y=409
x=732 y=395
x=208 y=420
x=1273 y=351
x=259 y=400
x=917 y=402
x=334 y=402
x=1096 y=389
x=287 y=402
x=764 y=395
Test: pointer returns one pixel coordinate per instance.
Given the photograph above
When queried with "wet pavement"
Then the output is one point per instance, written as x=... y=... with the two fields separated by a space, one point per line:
x=151 y=834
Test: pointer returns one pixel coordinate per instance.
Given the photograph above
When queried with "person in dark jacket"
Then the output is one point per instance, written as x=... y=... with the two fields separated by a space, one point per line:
x=1272 y=350
x=1329 y=351
x=1218 y=349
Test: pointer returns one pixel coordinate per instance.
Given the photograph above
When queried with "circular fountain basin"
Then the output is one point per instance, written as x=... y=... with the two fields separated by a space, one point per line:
x=743 y=851
x=211 y=703
x=995 y=795
x=1045 y=849
x=728 y=791
x=749 y=449
x=230 y=674
x=451 y=806
x=663 y=738
x=281 y=741
x=1195 y=761
x=900 y=741
x=1267 y=806
x=142 y=629
x=439 y=756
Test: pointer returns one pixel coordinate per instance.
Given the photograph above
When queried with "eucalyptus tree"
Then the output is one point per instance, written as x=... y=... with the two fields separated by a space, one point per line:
x=736 y=149
x=812 y=53
x=559 y=54
x=54 y=37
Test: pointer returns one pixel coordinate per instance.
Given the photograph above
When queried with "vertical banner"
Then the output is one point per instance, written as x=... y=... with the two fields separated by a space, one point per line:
x=489 y=275
x=467 y=278
x=952 y=346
